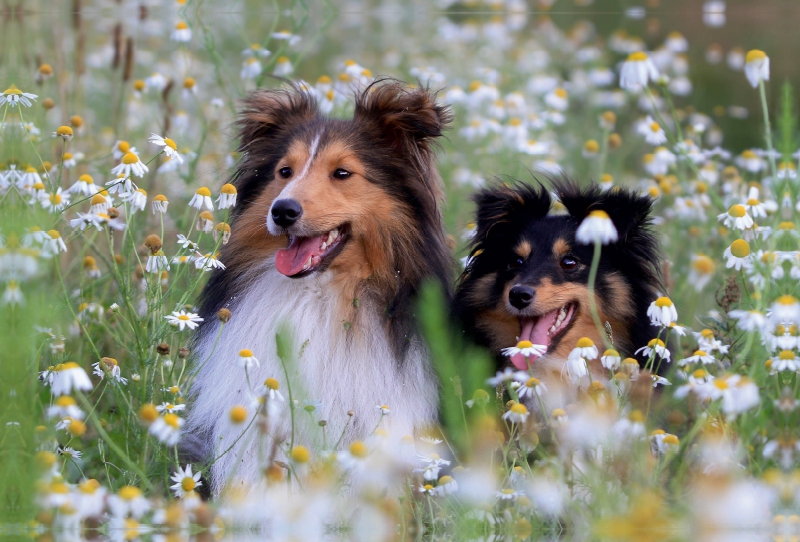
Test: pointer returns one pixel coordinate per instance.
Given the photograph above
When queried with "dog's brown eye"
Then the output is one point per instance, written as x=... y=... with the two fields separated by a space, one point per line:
x=516 y=263
x=568 y=264
x=285 y=172
x=341 y=174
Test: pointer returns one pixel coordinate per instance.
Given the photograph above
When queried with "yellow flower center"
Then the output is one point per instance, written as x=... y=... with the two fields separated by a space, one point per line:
x=637 y=57
x=737 y=211
x=13 y=90
x=518 y=408
x=672 y=440
x=755 y=55
x=203 y=191
x=721 y=384
x=611 y=353
x=272 y=384
x=585 y=342
x=532 y=382
x=446 y=480
x=55 y=199
x=184 y=317
x=561 y=93
x=358 y=449
x=699 y=373
x=300 y=454
x=514 y=121
x=663 y=302
x=655 y=127
x=148 y=413
x=636 y=416
x=283 y=60
x=524 y=344
x=172 y=420
x=703 y=264
x=228 y=188
x=65 y=401
x=171 y=144
x=591 y=146
x=656 y=342
x=187 y=83
x=740 y=248
x=181 y=26
x=64 y=131
x=188 y=484
x=786 y=300
x=786 y=226
x=749 y=155
x=130 y=158
x=238 y=414
x=599 y=214
x=245 y=353
x=129 y=493
x=786 y=355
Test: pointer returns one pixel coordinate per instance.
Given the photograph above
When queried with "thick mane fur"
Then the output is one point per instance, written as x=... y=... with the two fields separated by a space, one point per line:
x=355 y=339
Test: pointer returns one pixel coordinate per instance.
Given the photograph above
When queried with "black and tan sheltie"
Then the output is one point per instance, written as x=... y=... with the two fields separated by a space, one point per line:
x=528 y=279
x=339 y=222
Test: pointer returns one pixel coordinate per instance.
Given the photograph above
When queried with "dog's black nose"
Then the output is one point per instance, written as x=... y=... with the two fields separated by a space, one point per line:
x=521 y=296
x=286 y=212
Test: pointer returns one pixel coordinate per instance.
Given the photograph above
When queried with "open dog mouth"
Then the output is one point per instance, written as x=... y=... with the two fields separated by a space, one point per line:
x=543 y=330
x=305 y=255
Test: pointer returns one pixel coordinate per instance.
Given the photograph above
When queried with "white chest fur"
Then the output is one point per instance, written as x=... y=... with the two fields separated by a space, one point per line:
x=341 y=367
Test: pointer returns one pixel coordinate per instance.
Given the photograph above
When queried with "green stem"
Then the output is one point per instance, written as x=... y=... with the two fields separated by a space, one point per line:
x=767 y=129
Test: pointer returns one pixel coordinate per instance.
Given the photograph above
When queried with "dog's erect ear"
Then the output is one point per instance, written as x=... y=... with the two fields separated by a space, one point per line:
x=505 y=205
x=402 y=115
x=630 y=212
x=266 y=112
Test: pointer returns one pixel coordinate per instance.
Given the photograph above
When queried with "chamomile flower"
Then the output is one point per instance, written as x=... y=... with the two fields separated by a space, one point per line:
x=585 y=349
x=53 y=243
x=227 y=196
x=182 y=319
x=13 y=96
x=167 y=428
x=65 y=407
x=185 y=481
x=156 y=263
x=756 y=67
x=656 y=346
x=129 y=500
x=736 y=217
x=701 y=272
x=56 y=201
x=84 y=185
x=508 y=494
x=576 y=368
x=637 y=71
x=202 y=199
x=208 y=262
x=532 y=387
x=69 y=376
x=662 y=312
x=109 y=366
x=251 y=68
x=169 y=407
x=785 y=309
x=130 y=164
x=518 y=413
x=283 y=67
x=285 y=35
x=525 y=348
x=64 y=132
x=738 y=255
x=247 y=360
x=786 y=360
x=652 y=131
x=611 y=359
x=169 y=146
x=181 y=33
x=159 y=204
x=137 y=199
x=596 y=227
x=699 y=356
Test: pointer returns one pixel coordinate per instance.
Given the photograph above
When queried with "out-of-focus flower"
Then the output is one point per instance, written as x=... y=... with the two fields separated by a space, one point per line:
x=756 y=67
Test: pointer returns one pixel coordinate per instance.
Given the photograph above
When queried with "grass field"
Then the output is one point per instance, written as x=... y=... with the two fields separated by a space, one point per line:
x=95 y=269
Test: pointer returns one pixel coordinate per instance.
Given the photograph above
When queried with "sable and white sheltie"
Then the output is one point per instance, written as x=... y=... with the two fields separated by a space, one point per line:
x=527 y=279
x=338 y=223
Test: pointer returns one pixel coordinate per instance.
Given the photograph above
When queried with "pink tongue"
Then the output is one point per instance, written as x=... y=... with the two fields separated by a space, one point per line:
x=534 y=331
x=289 y=261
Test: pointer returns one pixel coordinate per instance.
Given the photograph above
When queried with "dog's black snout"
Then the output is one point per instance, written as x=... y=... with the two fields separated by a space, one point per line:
x=521 y=296
x=286 y=212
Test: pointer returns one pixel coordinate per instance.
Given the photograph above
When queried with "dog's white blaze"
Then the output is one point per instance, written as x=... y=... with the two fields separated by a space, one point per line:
x=345 y=370
x=287 y=192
